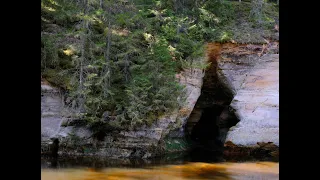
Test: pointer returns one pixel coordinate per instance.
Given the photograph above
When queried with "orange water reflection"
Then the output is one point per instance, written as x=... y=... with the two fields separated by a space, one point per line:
x=189 y=171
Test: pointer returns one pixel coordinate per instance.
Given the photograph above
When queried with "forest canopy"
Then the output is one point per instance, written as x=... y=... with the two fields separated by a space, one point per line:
x=116 y=60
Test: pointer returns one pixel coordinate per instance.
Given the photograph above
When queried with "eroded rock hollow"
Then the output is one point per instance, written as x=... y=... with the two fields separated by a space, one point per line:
x=212 y=117
x=232 y=108
x=238 y=110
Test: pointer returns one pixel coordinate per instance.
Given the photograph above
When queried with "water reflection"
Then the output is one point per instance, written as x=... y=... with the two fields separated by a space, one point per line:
x=85 y=169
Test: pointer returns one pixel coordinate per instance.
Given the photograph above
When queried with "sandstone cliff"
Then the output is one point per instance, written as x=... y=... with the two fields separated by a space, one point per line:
x=252 y=73
x=242 y=81
x=143 y=143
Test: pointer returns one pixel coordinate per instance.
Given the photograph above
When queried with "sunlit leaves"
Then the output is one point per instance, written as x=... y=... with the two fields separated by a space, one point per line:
x=92 y=75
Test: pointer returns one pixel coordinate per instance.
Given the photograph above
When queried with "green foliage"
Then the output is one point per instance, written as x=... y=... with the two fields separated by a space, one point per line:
x=74 y=139
x=49 y=54
x=152 y=94
x=122 y=57
x=56 y=78
x=59 y=11
x=253 y=23
x=177 y=144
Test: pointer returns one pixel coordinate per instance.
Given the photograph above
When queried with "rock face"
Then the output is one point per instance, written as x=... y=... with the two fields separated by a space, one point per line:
x=242 y=82
x=144 y=142
x=51 y=116
x=51 y=106
x=257 y=104
x=254 y=81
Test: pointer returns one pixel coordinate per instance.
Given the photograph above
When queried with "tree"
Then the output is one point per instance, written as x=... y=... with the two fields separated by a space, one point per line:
x=256 y=10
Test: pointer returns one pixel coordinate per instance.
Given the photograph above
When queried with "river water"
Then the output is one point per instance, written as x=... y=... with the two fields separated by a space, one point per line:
x=157 y=169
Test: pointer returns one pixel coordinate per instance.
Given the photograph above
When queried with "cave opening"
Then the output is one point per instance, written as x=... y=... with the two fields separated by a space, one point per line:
x=55 y=147
x=211 y=118
x=206 y=130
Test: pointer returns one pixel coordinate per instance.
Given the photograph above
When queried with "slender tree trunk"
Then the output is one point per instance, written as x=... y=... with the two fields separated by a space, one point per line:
x=107 y=69
x=108 y=42
x=177 y=29
x=108 y=51
x=82 y=59
x=126 y=69
x=176 y=6
x=81 y=76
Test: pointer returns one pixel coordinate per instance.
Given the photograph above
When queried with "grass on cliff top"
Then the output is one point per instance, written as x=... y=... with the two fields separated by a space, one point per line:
x=245 y=27
x=233 y=21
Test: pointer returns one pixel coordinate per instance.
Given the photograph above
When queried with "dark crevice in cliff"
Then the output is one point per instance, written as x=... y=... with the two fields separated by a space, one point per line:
x=55 y=147
x=212 y=116
x=207 y=128
x=50 y=149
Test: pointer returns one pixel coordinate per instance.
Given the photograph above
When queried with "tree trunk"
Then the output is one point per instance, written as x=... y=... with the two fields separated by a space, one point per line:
x=82 y=59
x=108 y=42
x=81 y=76
x=126 y=69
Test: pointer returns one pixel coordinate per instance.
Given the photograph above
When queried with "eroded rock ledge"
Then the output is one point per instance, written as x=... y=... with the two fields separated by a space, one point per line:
x=252 y=74
x=144 y=142
x=247 y=75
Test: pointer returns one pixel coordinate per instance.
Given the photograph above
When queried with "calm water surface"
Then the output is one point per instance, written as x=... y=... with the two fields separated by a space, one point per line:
x=126 y=169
